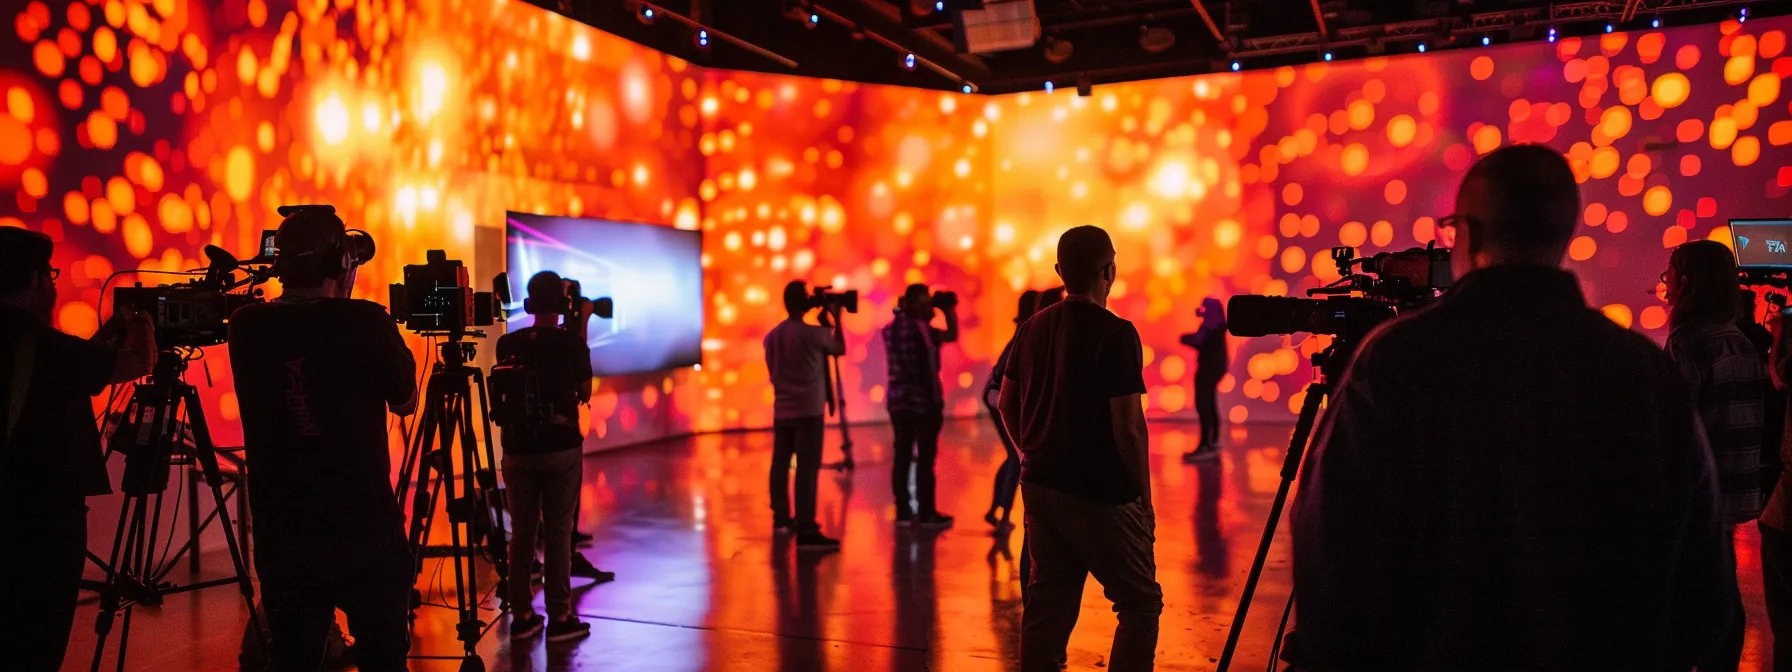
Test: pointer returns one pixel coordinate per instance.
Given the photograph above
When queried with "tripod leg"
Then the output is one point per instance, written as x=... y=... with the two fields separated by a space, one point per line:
x=108 y=609
x=193 y=563
x=421 y=502
x=1297 y=447
x=459 y=549
x=207 y=455
x=496 y=497
x=478 y=503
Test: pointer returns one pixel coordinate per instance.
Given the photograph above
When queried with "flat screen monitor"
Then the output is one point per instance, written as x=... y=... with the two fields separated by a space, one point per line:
x=654 y=274
x=1762 y=243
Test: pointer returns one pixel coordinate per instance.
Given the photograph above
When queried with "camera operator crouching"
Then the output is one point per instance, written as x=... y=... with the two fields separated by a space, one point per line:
x=796 y=355
x=316 y=372
x=543 y=376
x=49 y=449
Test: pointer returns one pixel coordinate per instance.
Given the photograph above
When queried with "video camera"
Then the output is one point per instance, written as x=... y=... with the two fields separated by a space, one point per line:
x=1387 y=283
x=1762 y=256
x=824 y=299
x=437 y=298
x=575 y=302
x=945 y=300
x=196 y=313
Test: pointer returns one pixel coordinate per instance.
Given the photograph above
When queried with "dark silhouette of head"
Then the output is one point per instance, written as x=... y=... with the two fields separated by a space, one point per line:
x=917 y=301
x=1701 y=283
x=1519 y=205
x=547 y=294
x=310 y=251
x=1086 y=262
x=796 y=298
x=1029 y=303
x=1049 y=298
x=25 y=271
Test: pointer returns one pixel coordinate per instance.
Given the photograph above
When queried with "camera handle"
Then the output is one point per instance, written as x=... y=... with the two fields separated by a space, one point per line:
x=1317 y=392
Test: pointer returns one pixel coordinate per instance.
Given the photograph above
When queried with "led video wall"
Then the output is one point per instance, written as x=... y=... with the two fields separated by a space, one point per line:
x=136 y=132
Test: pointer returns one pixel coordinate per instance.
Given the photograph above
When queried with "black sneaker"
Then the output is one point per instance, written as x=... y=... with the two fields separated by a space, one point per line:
x=904 y=519
x=1203 y=453
x=567 y=630
x=583 y=569
x=934 y=520
x=816 y=541
x=524 y=627
x=782 y=527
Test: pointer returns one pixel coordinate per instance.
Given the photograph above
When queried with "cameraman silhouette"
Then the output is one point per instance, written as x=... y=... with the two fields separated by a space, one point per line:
x=542 y=457
x=49 y=448
x=1506 y=479
x=916 y=400
x=316 y=372
x=796 y=355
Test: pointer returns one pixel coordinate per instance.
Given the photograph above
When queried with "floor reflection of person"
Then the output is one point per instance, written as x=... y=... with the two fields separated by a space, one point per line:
x=1211 y=360
x=914 y=587
x=1001 y=506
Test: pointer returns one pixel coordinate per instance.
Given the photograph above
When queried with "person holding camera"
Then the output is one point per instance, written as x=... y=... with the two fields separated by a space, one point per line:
x=50 y=454
x=1506 y=479
x=542 y=457
x=1728 y=380
x=1071 y=398
x=1211 y=360
x=915 y=398
x=796 y=355
x=316 y=373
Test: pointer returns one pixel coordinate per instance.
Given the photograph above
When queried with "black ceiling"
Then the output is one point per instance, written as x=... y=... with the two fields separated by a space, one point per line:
x=869 y=40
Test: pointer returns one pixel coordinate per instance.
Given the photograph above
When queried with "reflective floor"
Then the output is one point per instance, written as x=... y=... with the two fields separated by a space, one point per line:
x=703 y=585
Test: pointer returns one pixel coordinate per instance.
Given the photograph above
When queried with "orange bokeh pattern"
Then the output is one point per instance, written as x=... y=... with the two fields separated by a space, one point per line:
x=136 y=132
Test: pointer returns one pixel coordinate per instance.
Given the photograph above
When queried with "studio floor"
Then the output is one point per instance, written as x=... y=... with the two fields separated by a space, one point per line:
x=703 y=585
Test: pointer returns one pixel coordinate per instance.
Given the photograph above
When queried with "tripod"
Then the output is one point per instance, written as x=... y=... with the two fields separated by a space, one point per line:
x=473 y=504
x=149 y=436
x=1328 y=364
x=836 y=390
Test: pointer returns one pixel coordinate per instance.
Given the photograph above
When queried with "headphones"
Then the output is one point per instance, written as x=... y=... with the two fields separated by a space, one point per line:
x=350 y=250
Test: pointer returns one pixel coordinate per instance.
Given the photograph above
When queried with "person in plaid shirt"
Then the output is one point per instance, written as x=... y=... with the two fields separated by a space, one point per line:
x=916 y=400
x=1728 y=380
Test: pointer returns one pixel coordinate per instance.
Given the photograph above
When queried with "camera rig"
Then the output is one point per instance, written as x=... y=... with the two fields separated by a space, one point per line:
x=196 y=313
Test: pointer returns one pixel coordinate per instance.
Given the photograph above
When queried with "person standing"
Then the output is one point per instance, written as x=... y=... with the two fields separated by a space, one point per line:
x=1728 y=381
x=1211 y=360
x=543 y=463
x=796 y=355
x=1001 y=506
x=50 y=455
x=1071 y=397
x=316 y=373
x=917 y=401
x=1506 y=479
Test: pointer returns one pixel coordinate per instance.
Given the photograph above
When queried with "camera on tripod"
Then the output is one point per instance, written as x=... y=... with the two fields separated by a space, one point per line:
x=194 y=314
x=436 y=297
x=824 y=298
x=1371 y=290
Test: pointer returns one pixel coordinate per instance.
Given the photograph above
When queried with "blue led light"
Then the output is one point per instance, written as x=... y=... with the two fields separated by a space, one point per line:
x=967 y=88
x=647 y=12
x=1742 y=15
x=1236 y=66
x=702 y=38
x=1421 y=47
x=1552 y=34
x=1048 y=87
x=1328 y=57
x=939 y=6
x=1608 y=27
x=814 y=18
x=1486 y=40
x=1655 y=23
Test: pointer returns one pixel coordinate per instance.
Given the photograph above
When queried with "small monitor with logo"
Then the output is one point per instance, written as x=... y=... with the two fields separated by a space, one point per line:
x=1762 y=243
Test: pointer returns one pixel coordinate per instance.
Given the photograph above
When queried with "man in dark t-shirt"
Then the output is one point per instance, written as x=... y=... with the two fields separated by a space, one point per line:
x=49 y=447
x=542 y=460
x=1071 y=399
x=315 y=374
